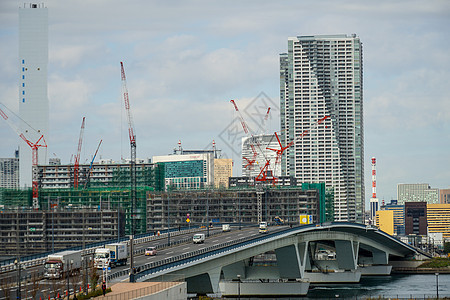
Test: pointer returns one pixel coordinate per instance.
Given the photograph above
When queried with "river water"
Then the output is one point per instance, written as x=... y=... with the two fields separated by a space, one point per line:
x=417 y=286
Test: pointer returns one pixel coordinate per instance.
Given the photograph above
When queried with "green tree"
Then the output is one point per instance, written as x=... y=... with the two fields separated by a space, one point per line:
x=447 y=247
x=93 y=276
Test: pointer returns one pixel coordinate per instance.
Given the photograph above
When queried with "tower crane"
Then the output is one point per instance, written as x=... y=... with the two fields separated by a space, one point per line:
x=250 y=161
x=132 y=136
x=28 y=135
x=90 y=166
x=76 y=168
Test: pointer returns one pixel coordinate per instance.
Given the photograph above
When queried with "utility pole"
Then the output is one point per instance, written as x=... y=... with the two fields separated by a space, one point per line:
x=207 y=212
x=19 y=279
x=168 y=218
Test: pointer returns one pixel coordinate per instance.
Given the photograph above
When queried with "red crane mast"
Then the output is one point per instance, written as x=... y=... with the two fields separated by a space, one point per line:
x=132 y=137
x=27 y=135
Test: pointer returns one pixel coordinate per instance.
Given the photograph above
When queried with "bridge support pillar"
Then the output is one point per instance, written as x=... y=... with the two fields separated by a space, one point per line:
x=380 y=257
x=214 y=277
x=347 y=254
x=288 y=262
x=231 y=271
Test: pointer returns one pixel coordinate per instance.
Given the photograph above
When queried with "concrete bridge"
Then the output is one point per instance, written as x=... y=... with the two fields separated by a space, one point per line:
x=332 y=253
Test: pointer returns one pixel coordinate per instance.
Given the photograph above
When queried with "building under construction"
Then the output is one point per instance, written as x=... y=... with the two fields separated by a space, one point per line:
x=106 y=187
x=26 y=231
x=244 y=206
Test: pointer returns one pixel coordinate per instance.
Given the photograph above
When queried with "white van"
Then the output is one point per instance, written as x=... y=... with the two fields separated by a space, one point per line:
x=198 y=238
x=225 y=227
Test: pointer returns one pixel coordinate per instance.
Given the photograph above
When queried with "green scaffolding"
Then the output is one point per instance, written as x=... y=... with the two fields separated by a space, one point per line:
x=101 y=198
x=113 y=194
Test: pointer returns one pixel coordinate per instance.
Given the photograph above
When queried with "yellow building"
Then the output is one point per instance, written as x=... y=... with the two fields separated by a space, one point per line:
x=385 y=221
x=438 y=218
x=223 y=169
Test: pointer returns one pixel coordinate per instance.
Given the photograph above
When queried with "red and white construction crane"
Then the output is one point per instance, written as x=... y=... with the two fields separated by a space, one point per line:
x=76 y=167
x=252 y=160
x=28 y=134
x=132 y=136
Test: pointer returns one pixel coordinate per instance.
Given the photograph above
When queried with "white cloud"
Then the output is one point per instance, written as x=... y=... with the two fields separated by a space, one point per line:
x=185 y=60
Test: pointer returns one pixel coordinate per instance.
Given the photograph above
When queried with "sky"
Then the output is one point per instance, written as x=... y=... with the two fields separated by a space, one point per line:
x=185 y=60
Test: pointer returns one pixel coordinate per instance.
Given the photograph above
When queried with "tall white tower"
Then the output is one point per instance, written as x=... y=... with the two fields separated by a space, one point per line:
x=33 y=98
x=323 y=76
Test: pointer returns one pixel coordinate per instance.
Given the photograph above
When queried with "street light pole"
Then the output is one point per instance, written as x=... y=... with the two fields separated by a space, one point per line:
x=17 y=263
x=239 y=286
x=68 y=275
x=239 y=206
x=437 y=285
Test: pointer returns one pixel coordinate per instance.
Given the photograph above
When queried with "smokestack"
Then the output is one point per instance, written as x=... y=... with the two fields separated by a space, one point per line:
x=374 y=177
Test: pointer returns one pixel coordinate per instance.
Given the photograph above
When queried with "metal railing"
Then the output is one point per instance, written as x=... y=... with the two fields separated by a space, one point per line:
x=157 y=287
x=39 y=259
x=186 y=258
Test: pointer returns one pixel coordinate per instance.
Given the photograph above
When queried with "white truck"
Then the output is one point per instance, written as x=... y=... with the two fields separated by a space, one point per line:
x=263 y=227
x=61 y=264
x=198 y=238
x=225 y=227
x=111 y=255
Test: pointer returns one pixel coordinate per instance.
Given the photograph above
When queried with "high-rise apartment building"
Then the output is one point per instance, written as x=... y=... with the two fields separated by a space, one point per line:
x=9 y=173
x=417 y=192
x=33 y=99
x=322 y=76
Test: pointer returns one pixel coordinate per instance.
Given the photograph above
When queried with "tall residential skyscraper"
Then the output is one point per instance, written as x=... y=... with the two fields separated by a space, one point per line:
x=33 y=99
x=323 y=76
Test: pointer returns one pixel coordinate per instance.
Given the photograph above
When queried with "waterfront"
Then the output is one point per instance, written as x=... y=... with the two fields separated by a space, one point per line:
x=394 y=286
x=417 y=286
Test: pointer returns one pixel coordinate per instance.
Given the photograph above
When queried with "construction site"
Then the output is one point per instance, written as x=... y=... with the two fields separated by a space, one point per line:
x=149 y=202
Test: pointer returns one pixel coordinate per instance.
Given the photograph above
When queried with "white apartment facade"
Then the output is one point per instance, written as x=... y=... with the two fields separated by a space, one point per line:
x=251 y=164
x=9 y=173
x=322 y=76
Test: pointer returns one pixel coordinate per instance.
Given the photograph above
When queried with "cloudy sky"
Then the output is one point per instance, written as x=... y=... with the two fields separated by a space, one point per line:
x=185 y=60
